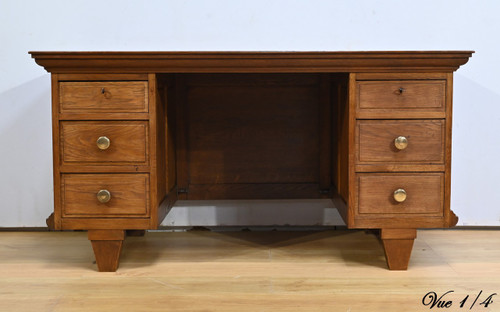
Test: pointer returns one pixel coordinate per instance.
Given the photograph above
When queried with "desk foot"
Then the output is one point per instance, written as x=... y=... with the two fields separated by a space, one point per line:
x=50 y=222
x=453 y=218
x=398 y=244
x=107 y=245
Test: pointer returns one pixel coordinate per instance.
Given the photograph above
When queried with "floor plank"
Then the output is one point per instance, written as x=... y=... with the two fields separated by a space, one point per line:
x=247 y=271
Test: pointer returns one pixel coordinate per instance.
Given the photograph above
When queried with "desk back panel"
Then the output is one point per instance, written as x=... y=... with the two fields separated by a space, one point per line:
x=250 y=135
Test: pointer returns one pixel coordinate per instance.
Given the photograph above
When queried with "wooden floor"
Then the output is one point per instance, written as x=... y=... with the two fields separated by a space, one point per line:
x=247 y=271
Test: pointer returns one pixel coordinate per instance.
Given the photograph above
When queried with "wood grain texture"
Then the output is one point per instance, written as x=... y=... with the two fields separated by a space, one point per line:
x=344 y=140
x=105 y=167
x=383 y=112
x=425 y=193
x=350 y=128
x=245 y=271
x=103 y=77
x=103 y=96
x=398 y=244
x=340 y=143
x=100 y=116
x=255 y=191
x=107 y=254
x=419 y=95
x=165 y=206
x=168 y=99
x=181 y=148
x=397 y=221
x=451 y=218
x=398 y=234
x=231 y=125
x=129 y=195
x=161 y=149
x=107 y=246
x=375 y=141
x=129 y=142
x=252 y=131
x=400 y=76
x=334 y=133
x=325 y=133
x=157 y=143
x=257 y=62
x=167 y=106
x=398 y=114
x=56 y=220
x=398 y=167
x=407 y=95
x=106 y=235
x=109 y=223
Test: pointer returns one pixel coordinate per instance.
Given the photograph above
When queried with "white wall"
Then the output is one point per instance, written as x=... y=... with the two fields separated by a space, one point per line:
x=291 y=25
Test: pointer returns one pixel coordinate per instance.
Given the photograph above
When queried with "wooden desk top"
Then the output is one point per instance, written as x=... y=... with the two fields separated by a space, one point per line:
x=248 y=62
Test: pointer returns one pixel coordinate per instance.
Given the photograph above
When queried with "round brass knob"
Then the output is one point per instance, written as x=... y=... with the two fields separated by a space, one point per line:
x=103 y=143
x=400 y=195
x=103 y=196
x=401 y=142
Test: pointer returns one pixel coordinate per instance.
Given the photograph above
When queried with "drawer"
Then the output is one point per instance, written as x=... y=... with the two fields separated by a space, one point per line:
x=103 y=96
x=425 y=95
x=128 y=195
x=119 y=142
x=401 y=141
x=424 y=193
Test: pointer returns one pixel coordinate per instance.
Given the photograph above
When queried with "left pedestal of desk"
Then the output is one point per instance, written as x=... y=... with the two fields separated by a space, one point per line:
x=109 y=158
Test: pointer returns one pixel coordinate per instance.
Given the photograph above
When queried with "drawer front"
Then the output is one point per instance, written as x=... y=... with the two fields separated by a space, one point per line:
x=424 y=193
x=405 y=141
x=127 y=142
x=103 y=96
x=129 y=195
x=412 y=95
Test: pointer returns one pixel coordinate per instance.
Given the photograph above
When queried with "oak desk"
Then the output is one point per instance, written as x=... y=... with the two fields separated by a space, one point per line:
x=135 y=131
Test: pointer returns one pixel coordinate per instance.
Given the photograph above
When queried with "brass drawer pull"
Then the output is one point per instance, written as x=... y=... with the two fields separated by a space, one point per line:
x=401 y=90
x=400 y=195
x=401 y=142
x=103 y=196
x=103 y=143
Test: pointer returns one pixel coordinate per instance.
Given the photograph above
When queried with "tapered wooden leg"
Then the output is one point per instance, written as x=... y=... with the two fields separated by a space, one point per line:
x=107 y=245
x=398 y=244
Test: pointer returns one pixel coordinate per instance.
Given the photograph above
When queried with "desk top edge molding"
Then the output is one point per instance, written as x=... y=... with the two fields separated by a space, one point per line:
x=248 y=62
